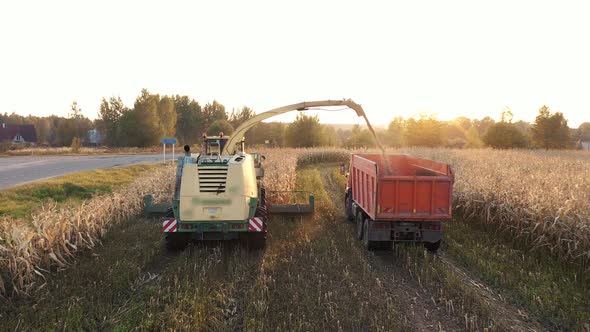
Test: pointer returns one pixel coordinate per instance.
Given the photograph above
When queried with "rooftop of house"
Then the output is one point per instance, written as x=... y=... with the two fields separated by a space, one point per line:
x=8 y=132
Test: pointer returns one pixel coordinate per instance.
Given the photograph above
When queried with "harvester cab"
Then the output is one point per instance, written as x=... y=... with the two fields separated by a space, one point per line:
x=220 y=194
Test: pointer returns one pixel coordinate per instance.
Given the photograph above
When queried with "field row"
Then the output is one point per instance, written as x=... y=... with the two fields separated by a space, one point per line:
x=539 y=197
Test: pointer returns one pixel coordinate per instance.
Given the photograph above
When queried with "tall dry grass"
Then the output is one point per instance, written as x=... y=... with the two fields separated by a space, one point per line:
x=28 y=249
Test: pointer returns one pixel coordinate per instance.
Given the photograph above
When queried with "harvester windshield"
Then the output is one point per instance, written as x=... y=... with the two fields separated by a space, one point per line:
x=214 y=145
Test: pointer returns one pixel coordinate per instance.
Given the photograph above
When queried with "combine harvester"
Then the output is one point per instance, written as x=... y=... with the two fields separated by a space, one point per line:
x=219 y=194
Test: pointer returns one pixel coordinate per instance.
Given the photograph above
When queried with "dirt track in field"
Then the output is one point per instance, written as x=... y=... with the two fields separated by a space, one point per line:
x=313 y=275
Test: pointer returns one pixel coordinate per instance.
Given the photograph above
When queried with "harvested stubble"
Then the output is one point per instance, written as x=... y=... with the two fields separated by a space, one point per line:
x=53 y=235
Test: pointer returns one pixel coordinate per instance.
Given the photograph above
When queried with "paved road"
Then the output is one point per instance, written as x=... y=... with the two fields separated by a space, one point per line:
x=19 y=170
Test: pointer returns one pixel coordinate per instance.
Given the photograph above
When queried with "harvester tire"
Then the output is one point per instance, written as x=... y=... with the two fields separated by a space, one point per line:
x=177 y=241
x=262 y=201
x=432 y=246
x=256 y=240
x=360 y=220
x=261 y=211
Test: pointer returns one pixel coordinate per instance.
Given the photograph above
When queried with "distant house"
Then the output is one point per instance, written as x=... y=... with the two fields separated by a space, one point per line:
x=18 y=134
x=95 y=138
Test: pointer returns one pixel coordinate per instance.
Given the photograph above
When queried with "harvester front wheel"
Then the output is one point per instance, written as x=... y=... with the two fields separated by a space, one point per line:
x=255 y=240
x=177 y=241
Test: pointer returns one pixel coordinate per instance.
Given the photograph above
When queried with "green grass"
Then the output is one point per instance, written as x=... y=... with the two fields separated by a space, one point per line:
x=557 y=292
x=23 y=200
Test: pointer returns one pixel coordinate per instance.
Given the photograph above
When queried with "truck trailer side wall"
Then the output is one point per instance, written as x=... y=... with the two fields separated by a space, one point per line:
x=409 y=189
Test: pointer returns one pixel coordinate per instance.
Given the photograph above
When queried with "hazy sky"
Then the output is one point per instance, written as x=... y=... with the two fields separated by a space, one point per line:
x=451 y=58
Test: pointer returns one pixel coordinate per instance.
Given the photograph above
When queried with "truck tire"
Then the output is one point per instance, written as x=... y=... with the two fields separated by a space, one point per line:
x=360 y=220
x=369 y=245
x=348 y=206
x=177 y=241
x=432 y=246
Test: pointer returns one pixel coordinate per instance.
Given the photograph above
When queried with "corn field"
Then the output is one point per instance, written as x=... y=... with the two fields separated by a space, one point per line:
x=541 y=197
x=51 y=238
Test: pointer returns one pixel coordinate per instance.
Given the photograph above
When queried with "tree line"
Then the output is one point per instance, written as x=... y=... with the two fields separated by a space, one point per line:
x=155 y=116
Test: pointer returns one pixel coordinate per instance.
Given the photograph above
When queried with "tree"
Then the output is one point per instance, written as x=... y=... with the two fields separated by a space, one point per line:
x=273 y=132
x=212 y=112
x=550 y=131
x=426 y=131
x=80 y=123
x=76 y=125
x=109 y=114
x=360 y=138
x=507 y=115
x=167 y=116
x=504 y=135
x=463 y=122
x=483 y=125
x=220 y=126
x=304 y=132
x=237 y=117
x=473 y=139
x=189 y=119
x=127 y=126
x=584 y=132
x=395 y=132
x=454 y=134
x=147 y=130
x=329 y=136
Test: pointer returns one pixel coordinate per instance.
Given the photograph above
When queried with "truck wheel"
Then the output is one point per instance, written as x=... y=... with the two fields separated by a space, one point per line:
x=432 y=246
x=366 y=243
x=348 y=206
x=177 y=241
x=359 y=225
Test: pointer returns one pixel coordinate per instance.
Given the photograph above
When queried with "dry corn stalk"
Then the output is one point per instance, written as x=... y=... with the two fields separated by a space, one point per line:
x=542 y=197
x=54 y=235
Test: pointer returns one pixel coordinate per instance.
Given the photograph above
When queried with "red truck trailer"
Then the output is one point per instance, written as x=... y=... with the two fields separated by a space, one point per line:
x=398 y=198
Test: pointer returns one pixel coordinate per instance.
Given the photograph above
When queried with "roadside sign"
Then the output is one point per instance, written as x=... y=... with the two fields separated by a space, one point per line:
x=168 y=141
